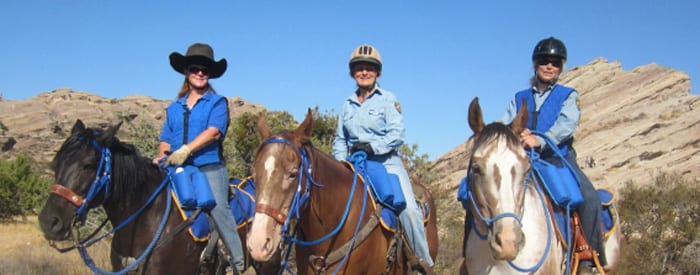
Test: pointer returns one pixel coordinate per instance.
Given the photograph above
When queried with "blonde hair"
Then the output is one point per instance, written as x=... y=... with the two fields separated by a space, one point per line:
x=186 y=88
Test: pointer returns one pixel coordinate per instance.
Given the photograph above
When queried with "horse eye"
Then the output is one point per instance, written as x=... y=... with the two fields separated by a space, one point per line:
x=476 y=169
x=293 y=175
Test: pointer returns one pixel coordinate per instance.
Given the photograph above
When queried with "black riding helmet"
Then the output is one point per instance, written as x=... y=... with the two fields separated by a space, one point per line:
x=549 y=47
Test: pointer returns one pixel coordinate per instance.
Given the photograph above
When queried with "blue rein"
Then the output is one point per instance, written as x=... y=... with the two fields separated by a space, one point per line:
x=101 y=184
x=301 y=198
x=489 y=221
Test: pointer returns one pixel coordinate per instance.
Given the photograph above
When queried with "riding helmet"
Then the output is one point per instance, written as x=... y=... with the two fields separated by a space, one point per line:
x=366 y=53
x=550 y=47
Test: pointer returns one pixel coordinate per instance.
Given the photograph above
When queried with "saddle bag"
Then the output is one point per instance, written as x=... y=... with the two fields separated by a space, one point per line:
x=192 y=188
x=560 y=181
x=386 y=186
x=182 y=183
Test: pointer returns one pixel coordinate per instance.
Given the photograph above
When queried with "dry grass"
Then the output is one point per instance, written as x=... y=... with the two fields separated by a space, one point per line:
x=23 y=250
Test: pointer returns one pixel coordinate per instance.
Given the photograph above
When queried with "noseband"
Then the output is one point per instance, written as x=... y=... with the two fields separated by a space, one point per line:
x=300 y=198
x=488 y=221
x=103 y=176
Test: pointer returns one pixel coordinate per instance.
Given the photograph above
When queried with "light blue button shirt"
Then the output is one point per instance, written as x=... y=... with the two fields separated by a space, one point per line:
x=377 y=120
x=563 y=127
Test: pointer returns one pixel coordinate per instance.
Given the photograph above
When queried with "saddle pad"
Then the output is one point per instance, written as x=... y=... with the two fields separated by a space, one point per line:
x=385 y=186
x=389 y=219
x=242 y=204
x=607 y=215
x=199 y=229
x=242 y=201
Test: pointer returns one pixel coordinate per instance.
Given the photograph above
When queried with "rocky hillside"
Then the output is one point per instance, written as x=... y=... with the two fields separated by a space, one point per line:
x=634 y=125
x=38 y=125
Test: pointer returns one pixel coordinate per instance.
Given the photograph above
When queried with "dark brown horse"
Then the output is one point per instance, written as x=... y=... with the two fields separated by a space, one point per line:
x=122 y=185
x=298 y=181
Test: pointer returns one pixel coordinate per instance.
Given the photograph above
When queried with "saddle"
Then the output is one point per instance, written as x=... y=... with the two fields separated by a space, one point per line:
x=387 y=200
x=385 y=193
x=582 y=251
x=241 y=201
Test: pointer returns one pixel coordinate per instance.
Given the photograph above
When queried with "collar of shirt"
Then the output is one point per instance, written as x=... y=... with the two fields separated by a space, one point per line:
x=183 y=100
x=353 y=97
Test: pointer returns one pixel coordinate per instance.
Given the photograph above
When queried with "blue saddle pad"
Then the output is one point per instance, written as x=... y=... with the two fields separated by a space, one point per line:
x=389 y=218
x=607 y=215
x=241 y=201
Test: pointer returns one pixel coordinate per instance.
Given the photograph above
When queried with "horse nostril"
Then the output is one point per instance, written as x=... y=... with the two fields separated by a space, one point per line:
x=56 y=224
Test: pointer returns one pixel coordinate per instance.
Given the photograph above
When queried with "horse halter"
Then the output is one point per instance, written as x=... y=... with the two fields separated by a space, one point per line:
x=300 y=198
x=103 y=176
x=488 y=221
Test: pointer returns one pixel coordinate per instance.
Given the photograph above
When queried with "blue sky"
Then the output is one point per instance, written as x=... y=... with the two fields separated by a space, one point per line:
x=292 y=55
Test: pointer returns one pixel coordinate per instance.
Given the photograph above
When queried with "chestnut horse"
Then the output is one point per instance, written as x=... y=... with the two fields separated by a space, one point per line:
x=513 y=229
x=336 y=226
x=93 y=168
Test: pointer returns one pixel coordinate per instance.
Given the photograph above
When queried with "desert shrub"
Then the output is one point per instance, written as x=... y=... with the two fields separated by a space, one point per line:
x=660 y=225
x=242 y=140
x=22 y=190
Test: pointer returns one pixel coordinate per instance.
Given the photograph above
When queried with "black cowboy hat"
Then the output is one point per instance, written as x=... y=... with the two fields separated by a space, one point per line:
x=198 y=54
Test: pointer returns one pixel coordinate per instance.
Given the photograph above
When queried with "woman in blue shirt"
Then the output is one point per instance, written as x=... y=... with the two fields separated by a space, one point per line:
x=553 y=111
x=195 y=128
x=371 y=121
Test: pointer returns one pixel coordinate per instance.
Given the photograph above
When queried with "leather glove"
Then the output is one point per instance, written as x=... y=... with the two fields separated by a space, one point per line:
x=178 y=157
x=362 y=146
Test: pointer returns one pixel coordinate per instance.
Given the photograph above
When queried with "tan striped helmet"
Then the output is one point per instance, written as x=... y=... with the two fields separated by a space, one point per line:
x=366 y=53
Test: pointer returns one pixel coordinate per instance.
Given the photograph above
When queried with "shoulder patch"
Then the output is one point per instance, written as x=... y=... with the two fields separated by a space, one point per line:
x=397 y=106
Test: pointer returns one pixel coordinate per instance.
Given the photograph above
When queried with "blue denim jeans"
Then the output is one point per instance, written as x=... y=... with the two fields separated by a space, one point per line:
x=222 y=215
x=411 y=218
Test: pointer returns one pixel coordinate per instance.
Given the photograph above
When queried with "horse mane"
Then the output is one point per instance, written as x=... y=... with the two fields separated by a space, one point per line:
x=495 y=131
x=130 y=169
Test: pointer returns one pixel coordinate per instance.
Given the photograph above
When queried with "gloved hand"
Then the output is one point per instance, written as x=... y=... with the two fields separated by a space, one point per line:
x=179 y=156
x=362 y=146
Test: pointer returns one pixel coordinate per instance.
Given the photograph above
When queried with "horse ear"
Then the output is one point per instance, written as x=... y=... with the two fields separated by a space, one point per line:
x=476 y=118
x=520 y=121
x=78 y=127
x=263 y=130
x=303 y=132
x=108 y=137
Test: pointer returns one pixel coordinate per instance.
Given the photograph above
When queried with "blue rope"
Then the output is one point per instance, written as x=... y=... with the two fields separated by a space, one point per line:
x=357 y=160
x=102 y=184
x=490 y=221
x=90 y=263
x=549 y=234
x=533 y=155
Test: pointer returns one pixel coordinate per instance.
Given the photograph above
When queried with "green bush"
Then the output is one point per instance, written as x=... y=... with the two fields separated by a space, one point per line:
x=22 y=191
x=660 y=224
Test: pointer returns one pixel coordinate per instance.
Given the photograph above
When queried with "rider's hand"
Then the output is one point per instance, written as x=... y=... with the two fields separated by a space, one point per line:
x=362 y=146
x=179 y=156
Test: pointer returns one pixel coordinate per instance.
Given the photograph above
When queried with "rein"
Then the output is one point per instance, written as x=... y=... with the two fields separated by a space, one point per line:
x=101 y=184
x=299 y=200
x=489 y=221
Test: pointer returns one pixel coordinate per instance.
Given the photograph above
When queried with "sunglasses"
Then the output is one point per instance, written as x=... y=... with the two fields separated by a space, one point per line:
x=197 y=69
x=359 y=68
x=556 y=62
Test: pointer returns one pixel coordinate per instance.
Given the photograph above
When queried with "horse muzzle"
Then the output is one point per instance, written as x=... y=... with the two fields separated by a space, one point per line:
x=506 y=241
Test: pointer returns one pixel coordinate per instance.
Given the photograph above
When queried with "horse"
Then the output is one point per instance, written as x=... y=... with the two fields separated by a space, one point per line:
x=300 y=184
x=93 y=168
x=513 y=229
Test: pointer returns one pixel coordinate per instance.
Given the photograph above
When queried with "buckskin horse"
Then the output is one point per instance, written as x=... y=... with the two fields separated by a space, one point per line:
x=299 y=184
x=93 y=168
x=513 y=229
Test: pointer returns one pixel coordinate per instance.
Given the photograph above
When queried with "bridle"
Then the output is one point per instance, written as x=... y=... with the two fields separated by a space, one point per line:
x=301 y=197
x=100 y=185
x=489 y=221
